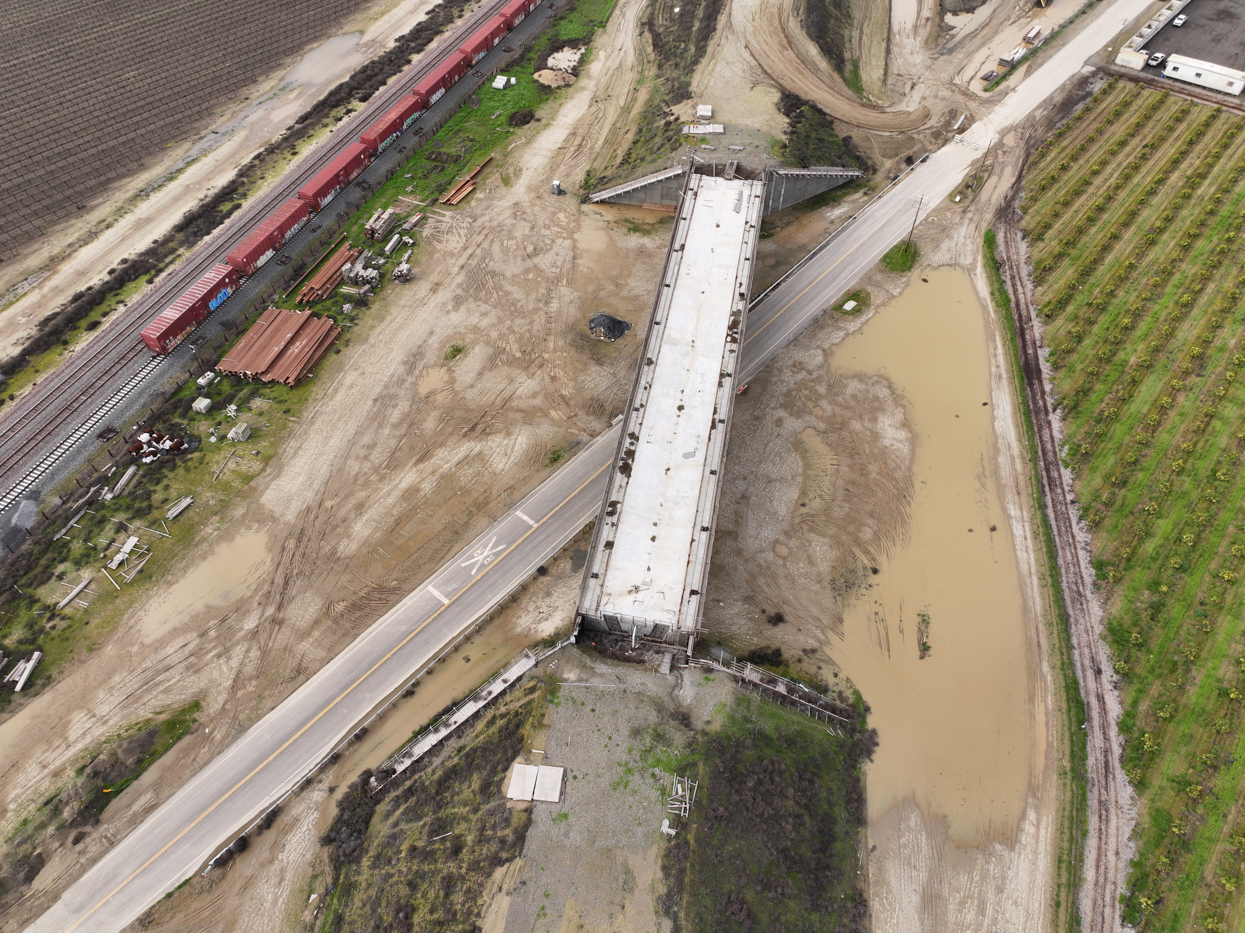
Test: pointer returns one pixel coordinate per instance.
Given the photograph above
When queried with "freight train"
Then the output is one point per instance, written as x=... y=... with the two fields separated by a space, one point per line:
x=194 y=305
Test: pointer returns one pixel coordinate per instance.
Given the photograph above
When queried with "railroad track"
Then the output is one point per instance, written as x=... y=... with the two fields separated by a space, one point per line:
x=1109 y=824
x=48 y=423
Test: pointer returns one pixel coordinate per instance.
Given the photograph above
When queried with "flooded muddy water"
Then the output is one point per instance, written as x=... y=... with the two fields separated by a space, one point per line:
x=956 y=727
x=229 y=571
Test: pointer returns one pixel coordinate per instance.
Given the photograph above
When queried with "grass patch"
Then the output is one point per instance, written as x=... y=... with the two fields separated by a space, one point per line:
x=1073 y=813
x=829 y=24
x=104 y=772
x=679 y=32
x=556 y=455
x=454 y=352
x=901 y=257
x=417 y=855
x=1134 y=212
x=44 y=571
x=773 y=841
x=858 y=295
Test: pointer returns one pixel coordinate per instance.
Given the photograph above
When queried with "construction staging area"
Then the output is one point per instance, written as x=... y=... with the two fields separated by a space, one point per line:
x=650 y=551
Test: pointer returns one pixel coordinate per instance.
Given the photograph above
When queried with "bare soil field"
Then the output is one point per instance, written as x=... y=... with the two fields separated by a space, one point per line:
x=401 y=457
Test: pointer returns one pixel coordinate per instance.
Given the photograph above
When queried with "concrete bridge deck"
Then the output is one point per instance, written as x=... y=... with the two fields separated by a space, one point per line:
x=650 y=552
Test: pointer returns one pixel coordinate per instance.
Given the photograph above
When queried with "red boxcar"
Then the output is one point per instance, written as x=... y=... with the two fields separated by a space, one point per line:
x=515 y=11
x=269 y=236
x=189 y=311
x=382 y=132
x=485 y=40
x=443 y=77
x=335 y=176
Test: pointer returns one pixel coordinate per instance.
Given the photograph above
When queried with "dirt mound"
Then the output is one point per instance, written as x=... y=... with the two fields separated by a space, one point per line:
x=554 y=78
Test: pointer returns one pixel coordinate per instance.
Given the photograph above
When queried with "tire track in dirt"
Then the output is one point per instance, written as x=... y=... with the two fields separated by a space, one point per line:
x=1111 y=802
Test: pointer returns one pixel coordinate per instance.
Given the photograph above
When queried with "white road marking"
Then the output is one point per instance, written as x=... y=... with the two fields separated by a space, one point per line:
x=524 y=517
x=433 y=591
x=482 y=556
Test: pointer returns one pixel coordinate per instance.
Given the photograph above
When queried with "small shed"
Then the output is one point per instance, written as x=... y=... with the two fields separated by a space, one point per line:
x=704 y=112
x=548 y=784
x=522 y=782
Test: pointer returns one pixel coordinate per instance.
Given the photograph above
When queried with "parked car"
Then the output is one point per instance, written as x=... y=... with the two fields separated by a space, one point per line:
x=1180 y=20
x=1157 y=59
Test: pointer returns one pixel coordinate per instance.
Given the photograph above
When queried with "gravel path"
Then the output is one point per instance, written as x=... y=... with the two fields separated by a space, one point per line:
x=592 y=861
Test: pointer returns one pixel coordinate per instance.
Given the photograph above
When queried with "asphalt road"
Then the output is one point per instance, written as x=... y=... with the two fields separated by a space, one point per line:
x=276 y=753
x=285 y=745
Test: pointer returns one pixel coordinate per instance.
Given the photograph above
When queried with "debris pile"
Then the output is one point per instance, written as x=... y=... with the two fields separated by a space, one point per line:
x=466 y=186
x=380 y=224
x=150 y=446
x=607 y=327
x=282 y=346
x=359 y=272
x=21 y=671
x=403 y=272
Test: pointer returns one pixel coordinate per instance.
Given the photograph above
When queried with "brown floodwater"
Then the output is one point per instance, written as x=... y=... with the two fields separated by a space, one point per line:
x=955 y=727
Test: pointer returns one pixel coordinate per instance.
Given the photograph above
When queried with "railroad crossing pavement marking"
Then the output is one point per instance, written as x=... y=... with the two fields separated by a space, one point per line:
x=483 y=555
x=433 y=591
x=324 y=712
x=519 y=513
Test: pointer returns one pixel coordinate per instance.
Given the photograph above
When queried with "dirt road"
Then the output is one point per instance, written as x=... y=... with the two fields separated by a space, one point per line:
x=400 y=457
x=1112 y=803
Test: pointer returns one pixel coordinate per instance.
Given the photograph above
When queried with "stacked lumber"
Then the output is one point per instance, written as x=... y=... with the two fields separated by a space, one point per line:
x=466 y=186
x=329 y=276
x=282 y=346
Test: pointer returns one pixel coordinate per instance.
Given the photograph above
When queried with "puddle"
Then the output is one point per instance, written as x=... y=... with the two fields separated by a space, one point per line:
x=230 y=571
x=955 y=728
x=331 y=55
x=490 y=650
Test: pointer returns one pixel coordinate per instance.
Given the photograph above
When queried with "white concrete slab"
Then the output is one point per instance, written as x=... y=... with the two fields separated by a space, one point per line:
x=548 y=784
x=653 y=553
x=522 y=782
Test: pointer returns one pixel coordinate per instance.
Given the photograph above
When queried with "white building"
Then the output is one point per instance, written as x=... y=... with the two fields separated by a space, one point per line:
x=1206 y=74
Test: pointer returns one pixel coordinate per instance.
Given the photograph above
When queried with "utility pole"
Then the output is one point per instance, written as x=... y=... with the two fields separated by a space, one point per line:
x=915 y=217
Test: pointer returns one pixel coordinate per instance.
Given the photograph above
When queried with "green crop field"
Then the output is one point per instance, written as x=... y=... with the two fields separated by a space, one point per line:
x=1133 y=211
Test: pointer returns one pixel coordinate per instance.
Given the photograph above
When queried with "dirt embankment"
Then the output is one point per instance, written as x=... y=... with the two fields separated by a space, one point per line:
x=400 y=458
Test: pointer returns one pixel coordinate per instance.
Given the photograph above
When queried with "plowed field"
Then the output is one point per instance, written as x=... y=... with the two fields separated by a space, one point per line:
x=90 y=92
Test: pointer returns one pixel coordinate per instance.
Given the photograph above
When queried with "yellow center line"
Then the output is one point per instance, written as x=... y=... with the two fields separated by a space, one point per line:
x=111 y=894
x=784 y=308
